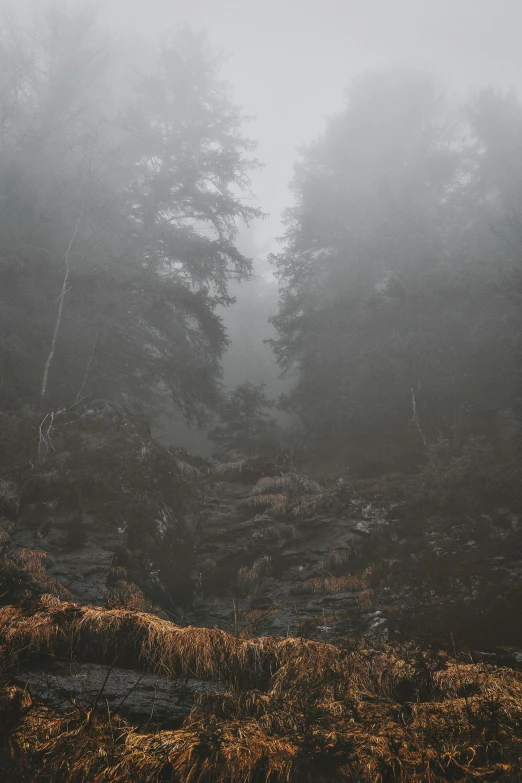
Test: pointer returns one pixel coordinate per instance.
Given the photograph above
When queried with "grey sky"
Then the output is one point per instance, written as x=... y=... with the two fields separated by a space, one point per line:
x=290 y=60
x=289 y=63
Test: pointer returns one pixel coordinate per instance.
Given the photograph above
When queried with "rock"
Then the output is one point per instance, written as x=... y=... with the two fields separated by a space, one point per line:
x=429 y=575
x=136 y=694
x=82 y=570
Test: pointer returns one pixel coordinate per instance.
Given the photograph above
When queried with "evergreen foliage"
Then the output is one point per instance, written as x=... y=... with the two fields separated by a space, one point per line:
x=246 y=427
x=118 y=205
x=399 y=302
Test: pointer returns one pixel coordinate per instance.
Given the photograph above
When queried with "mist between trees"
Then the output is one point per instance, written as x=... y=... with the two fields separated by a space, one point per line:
x=123 y=184
x=293 y=481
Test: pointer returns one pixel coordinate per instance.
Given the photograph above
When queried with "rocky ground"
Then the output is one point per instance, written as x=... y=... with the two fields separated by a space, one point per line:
x=378 y=568
x=366 y=567
x=374 y=614
x=183 y=600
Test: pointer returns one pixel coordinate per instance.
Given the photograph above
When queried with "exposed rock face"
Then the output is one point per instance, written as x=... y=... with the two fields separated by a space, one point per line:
x=366 y=568
x=139 y=695
x=279 y=602
x=81 y=569
x=379 y=569
x=293 y=552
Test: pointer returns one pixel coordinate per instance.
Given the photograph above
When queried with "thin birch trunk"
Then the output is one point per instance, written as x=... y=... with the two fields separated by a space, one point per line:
x=61 y=301
x=415 y=418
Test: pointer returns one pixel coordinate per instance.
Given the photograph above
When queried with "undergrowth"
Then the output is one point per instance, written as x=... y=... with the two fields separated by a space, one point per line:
x=289 y=710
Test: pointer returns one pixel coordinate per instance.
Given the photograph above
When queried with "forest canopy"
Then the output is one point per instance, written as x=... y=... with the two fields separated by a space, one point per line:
x=120 y=191
x=400 y=275
x=122 y=187
x=199 y=582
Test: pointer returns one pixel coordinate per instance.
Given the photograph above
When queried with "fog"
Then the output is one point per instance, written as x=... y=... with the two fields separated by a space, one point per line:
x=261 y=391
x=292 y=67
x=289 y=61
x=289 y=64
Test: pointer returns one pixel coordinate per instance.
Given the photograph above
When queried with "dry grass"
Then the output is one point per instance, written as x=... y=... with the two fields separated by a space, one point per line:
x=295 y=482
x=277 y=504
x=367 y=600
x=132 y=639
x=304 y=483
x=123 y=594
x=293 y=495
x=280 y=531
x=34 y=560
x=267 y=485
x=235 y=468
x=9 y=494
x=254 y=621
x=332 y=584
x=308 y=505
x=291 y=710
x=336 y=560
x=6 y=531
x=339 y=584
x=250 y=579
x=186 y=469
x=23 y=577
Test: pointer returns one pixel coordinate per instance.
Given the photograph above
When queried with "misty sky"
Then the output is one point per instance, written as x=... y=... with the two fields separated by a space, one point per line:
x=290 y=60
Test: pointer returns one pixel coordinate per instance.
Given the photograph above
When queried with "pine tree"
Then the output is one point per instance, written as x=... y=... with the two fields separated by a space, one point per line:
x=117 y=219
x=246 y=427
x=385 y=312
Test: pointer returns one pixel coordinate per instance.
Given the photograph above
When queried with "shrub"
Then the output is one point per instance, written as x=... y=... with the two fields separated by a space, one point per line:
x=366 y=600
x=472 y=475
x=288 y=710
x=246 y=427
x=250 y=579
x=24 y=577
x=126 y=595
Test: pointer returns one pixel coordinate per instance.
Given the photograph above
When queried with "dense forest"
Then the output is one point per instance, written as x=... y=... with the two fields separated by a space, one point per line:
x=260 y=514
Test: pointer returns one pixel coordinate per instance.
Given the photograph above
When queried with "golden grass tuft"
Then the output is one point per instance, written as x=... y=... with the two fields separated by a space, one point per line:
x=275 y=503
x=290 y=710
x=296 y=483
x=338 y=584
x=332 y=584
x=304 y=483
x=267 y=485
x=259 y=739
x=249 y=579
x=9 y=494
x=133 y=639
x=308 y=505
x=34 y=560
x=186 y=469
x=23 y=577
x=336 y=559
x=367 y=600
x=293 y=495
x=254 y=620
x=6 y=531
x=235 y=468
x=123 y=594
